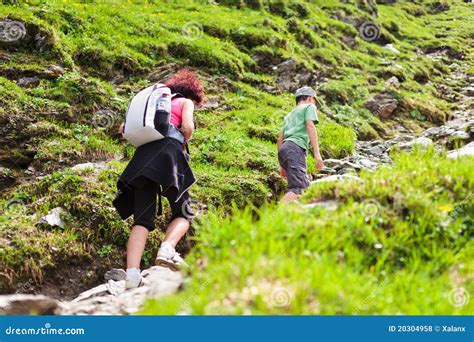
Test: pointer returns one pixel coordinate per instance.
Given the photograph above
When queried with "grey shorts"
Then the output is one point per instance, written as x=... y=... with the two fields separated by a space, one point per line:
x=293 y=159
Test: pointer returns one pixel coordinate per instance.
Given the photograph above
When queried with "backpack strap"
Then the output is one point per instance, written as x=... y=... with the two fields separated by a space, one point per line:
x=160 y=204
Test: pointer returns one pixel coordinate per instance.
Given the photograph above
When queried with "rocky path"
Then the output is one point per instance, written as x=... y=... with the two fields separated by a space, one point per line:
x=111 y=297
x=458 y=129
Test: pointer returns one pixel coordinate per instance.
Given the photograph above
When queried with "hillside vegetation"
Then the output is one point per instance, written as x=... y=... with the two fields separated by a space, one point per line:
x=394 y=245
x=66 y=84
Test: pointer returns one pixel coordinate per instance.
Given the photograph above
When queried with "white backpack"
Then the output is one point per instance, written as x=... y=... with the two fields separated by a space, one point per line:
x=148 y=115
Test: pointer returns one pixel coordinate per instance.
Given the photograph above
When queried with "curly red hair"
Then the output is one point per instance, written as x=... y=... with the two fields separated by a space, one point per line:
x=186 y=83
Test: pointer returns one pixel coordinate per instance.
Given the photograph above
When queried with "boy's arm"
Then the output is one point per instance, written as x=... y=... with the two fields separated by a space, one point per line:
x=313 y=138
x=280 y=139
x=279 y=142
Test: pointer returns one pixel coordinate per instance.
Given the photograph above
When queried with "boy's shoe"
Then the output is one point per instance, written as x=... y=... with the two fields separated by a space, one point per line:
x=168 y=257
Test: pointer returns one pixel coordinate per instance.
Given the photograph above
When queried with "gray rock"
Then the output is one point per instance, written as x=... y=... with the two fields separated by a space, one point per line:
x=94 y=292
x=391 y=48
x=368 y=164
x=285 y=74
x=347 y=170
x=84 y=166
x=53 y=219
x=211 y=103
x=467 y=150
x=329 y=205
x=26 y=304
x=116 y=287
x=421 y=142
x=163 y=281
x=112 y=298
x=377 y=150
x=392 y=82
x=469 y=91
x=54 y=71
x=333 y=163
x=327 y=170
x=28 y=82
x=337 y=178
x=382 y=104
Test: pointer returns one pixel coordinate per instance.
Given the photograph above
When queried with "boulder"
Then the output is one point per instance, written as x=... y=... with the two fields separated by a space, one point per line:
x=377 y=150
x=84 y=166
x=26 y=304
x=421 y=142
x=392 y=82
x=467 y=150
x=112 y=297
x=382 y=104
x=28 y=82
x=337 y=178
x=54 y=71
x=211 y=103
x=163 y=281
x=53 y=219
x=368 y=164
x=285 y=73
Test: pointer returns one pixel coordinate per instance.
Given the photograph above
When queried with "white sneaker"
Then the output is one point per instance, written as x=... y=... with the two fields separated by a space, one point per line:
x=168 y=257
x=133 y=279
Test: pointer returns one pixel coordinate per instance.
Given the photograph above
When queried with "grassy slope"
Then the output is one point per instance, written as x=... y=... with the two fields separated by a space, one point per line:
x=108 y=53
x=395 y=244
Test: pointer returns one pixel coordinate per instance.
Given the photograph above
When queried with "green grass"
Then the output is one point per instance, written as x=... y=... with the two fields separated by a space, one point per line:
x=109 y=49
x=396 y=244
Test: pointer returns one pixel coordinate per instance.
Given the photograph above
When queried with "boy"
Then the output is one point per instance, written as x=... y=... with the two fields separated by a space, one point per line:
x=293 y=140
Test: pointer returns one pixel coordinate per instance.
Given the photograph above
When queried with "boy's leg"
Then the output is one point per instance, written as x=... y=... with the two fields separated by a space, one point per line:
x=283 y=160
x=295 y=162
x=290 y=196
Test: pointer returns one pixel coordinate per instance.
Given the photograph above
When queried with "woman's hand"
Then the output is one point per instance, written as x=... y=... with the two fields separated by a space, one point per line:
x=121 y=128
x=283 y=172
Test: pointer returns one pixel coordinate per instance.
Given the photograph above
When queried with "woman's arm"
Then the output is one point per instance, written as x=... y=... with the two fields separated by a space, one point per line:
x=187 y=125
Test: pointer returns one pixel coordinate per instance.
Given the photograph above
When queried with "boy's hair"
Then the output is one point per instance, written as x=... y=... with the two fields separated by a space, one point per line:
x=301 y=98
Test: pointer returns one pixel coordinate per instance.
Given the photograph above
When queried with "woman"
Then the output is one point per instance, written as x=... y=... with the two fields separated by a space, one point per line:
x=160 y=167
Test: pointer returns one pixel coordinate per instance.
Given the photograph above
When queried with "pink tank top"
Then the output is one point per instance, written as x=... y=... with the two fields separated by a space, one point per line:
x=176 y=117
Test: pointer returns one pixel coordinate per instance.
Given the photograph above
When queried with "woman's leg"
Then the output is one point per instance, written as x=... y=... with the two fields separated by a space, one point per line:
x=181 y=215
x=136 y=245
x=144 y=216
x=176 y=230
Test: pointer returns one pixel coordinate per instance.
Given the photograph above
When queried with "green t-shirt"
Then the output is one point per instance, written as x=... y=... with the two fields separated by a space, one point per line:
x=294 y=127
